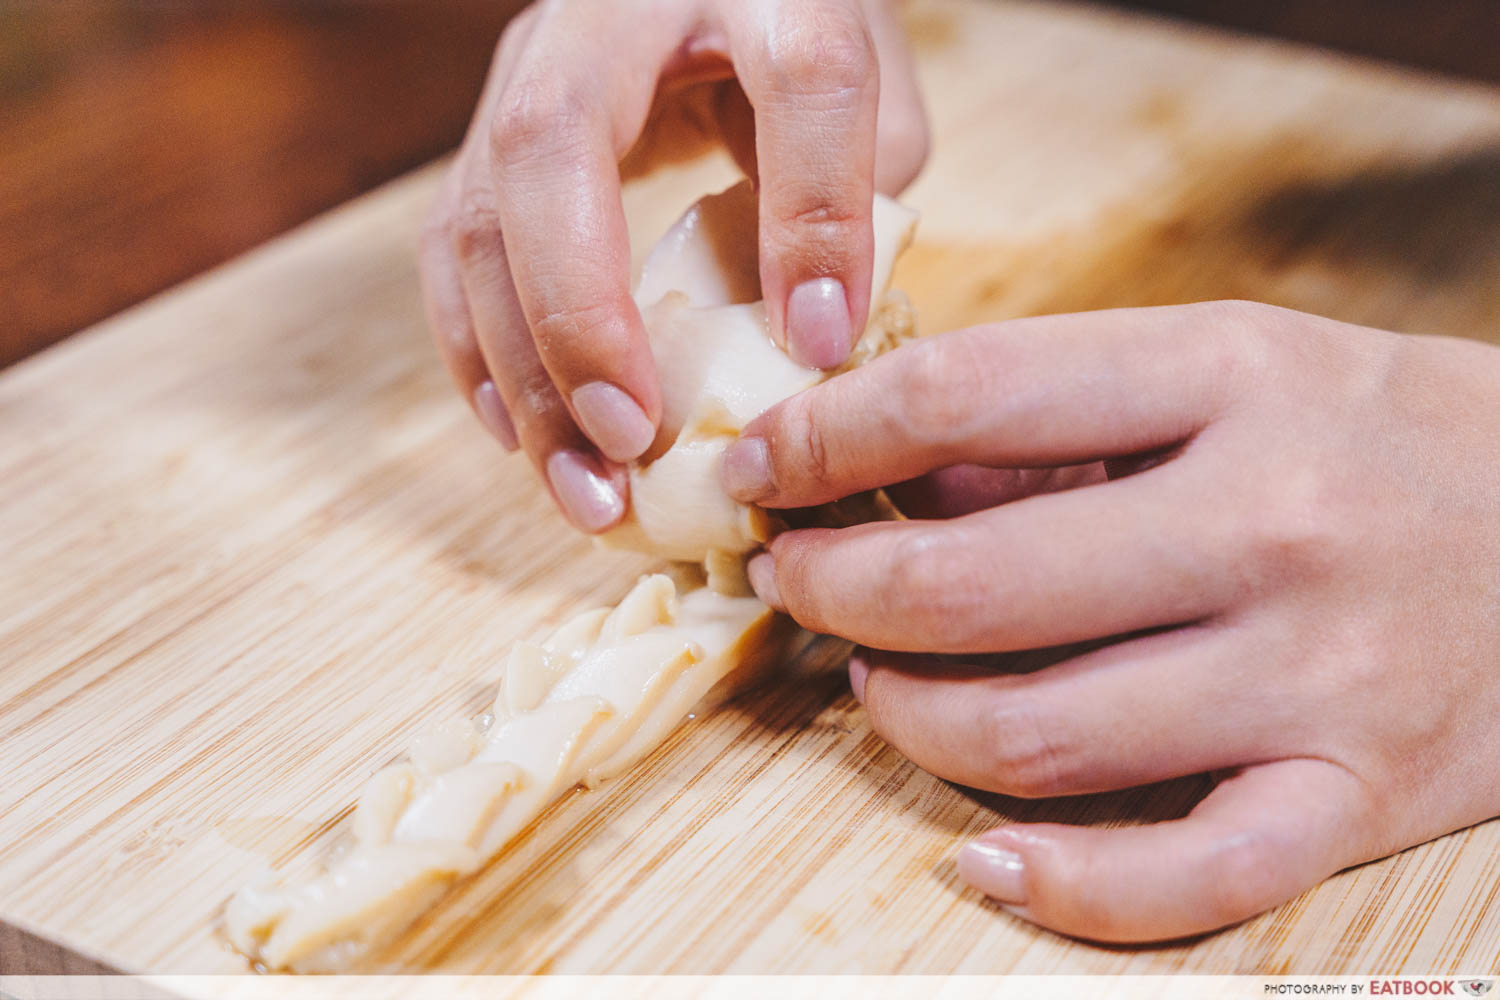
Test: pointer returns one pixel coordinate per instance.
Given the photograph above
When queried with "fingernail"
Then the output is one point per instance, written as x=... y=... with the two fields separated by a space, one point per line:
x=589 y=500
x=762 y=573
x=994 y=871
x=613 y=420
x=859 y=669
x=492 y=414
x=746 y=470
x=817 y=324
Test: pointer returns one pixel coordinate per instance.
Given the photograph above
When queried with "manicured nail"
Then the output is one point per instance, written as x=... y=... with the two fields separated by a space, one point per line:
x=762 y=573
x=817 y=324
x=859 y=669
x=613 y=420
x=746 y=470
x=994 y=871
x=492 y=414
x=589 y=500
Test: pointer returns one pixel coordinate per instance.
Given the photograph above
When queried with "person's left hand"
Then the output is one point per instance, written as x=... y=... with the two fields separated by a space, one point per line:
x=1296 y=562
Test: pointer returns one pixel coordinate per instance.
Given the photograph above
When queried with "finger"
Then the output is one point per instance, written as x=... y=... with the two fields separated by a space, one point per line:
x=591 y=494
x=902 y=139
x=447 y=308
x=453 y=333
x=810 y=71
x=1083 y=564
x=575 y=101
x=964 y=489
x=1131 y=713
x=1261 y=837
x=1047 y=391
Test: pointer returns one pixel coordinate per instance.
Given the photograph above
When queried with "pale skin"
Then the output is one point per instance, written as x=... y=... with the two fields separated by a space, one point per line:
x=526 y=261
x=1276 y=535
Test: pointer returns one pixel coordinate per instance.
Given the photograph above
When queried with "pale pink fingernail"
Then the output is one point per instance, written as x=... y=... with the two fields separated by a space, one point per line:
x=859 y=670
x=817 y=324
x=589 y=500
x=994 y=871
x=762 y=573
x=613 y=420
x=492 y=413
x=746 y=470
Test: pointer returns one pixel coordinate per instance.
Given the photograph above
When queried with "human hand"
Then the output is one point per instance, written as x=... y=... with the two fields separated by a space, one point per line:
x=1296 y=561
x=526 y=262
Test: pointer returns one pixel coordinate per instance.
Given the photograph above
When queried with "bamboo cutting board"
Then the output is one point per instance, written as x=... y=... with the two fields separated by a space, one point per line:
x=252 y=541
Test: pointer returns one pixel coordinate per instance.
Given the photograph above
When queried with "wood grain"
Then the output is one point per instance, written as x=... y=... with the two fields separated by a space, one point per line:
x=146 y=142
x=252 y=541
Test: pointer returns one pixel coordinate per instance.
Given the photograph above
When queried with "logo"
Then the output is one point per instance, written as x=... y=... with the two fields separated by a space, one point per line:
x=1476 y=987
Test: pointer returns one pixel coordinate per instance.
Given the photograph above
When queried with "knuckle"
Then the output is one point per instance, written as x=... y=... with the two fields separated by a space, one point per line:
x=822 y=50
x=473 y=227
x=1299 y=534
x=820 y=210
x=821 y=225
x=936 y=390
x=808 y=461
x=798 y=568
x=1242 y=344
x=537 y=404
x=535 y=117
x=928 y=594
x=592 y=334
x=815 y=447
x=1021 y=759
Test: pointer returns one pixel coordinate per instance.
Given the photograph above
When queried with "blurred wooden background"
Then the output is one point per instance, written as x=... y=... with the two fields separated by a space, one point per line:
x=144 y=141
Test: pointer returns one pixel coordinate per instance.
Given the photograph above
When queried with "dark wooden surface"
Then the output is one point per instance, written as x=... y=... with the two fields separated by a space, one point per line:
x=147 y=140
x=1457 y=37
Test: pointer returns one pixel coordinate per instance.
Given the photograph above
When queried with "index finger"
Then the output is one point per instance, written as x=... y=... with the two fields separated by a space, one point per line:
x=574 y=103
x=1041 y=392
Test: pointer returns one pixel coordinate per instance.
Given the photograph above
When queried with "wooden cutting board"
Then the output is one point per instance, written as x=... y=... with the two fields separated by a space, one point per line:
x=251 y=541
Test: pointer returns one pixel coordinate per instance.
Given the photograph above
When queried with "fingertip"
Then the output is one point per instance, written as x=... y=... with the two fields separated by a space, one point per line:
x=588 y=497
x=990 y=865
x=491 y=411
x=819 y=330
x=762 y=573
x=859 y=672
x=613 y=420
x=745 y=471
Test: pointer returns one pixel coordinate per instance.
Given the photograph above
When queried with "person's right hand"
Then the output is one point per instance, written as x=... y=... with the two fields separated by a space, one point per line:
x=526 y=262
x=1287 y=580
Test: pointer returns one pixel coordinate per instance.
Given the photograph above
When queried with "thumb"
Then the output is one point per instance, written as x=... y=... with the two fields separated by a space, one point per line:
x=1262 y=836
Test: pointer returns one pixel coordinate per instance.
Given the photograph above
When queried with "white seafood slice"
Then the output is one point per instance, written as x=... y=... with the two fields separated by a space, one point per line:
x=637 y=673
x=370 y=895
x=706 y=254
x=711 y=254
x=609 y=685
x=651 y=602
x=739 y=627
x=416 y=831
x=445 y=746
x=719 y=369
x=460 y=805
x=385 y=798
